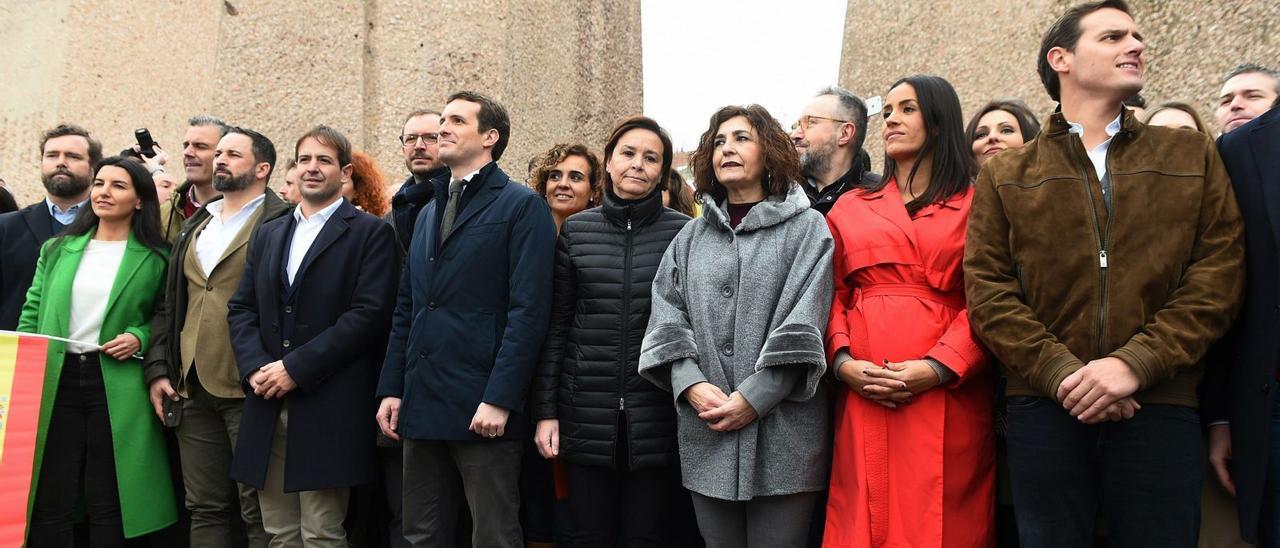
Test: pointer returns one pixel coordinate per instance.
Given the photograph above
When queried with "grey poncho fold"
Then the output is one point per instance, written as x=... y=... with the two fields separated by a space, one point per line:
x=741 y=303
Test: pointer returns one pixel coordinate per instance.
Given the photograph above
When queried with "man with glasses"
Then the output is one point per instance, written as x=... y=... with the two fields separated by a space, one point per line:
x=422 y=156
x=829 y=138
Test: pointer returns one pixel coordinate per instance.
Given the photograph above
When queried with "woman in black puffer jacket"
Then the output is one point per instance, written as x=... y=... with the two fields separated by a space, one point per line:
x=614 y=430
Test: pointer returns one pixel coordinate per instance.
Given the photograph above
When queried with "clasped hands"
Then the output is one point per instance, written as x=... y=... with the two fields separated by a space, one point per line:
x=721 y=413
x=1100 y=391
x=271 y=381
x=891 y=385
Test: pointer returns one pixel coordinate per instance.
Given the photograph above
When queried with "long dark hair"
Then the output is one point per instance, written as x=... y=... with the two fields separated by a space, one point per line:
x=145 y=225
x=953 y=165
x=781 y=162
x=1027 y=123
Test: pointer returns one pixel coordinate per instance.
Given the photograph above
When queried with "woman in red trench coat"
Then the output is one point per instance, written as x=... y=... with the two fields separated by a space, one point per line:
x=913 y=463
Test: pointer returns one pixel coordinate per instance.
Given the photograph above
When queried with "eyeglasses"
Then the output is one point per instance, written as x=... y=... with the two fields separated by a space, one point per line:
x=411 y=140
x=808 y=120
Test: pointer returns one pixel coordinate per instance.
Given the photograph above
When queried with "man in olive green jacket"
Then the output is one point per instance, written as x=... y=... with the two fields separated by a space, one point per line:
x=1102 y=261
x=198 y=143
x=192 y=357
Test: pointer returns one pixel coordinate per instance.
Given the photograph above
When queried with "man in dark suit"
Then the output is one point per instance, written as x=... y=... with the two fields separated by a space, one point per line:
x=471 y=314
x=1240 y=403
x=307 y=324
x=67 y=156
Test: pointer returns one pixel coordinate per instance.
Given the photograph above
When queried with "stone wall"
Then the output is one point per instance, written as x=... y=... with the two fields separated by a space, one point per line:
x=564 y=70
x=989 y=49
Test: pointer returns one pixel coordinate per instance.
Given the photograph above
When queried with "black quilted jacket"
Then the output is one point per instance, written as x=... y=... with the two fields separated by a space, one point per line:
x=606 y=258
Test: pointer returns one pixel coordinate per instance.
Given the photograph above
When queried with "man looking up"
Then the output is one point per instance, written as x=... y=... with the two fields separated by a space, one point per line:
x=467 y=334
x=67 y=157
x=1102 y=260
x=1248 y=91
x=198 y=147
x=191 y=352
x=829 y=139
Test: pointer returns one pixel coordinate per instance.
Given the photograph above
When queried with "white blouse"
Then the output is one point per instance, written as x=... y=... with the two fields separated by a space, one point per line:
x=91 y=291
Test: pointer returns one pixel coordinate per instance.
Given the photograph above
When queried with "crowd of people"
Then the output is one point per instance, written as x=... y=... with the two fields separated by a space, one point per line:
x=1024 y=327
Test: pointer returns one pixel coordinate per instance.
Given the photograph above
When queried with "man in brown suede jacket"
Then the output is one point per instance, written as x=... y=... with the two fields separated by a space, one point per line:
x=1102 y=261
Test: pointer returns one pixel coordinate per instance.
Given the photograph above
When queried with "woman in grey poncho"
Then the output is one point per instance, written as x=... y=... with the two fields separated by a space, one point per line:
x=740 y=302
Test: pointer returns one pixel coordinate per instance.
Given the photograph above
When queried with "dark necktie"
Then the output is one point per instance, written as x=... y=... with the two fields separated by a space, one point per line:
x=451 y=208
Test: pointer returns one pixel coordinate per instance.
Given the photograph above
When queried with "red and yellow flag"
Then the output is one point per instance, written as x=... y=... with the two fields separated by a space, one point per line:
x=22 y=361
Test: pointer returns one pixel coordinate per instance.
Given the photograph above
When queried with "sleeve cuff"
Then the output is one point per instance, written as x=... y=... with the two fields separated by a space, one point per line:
x=842 y=355
x=766 y=388
x=684 y=373
x=945 y=375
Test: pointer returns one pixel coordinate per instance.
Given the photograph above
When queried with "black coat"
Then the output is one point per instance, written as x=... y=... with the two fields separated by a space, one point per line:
x=409 y=201
x=22 y=233
x=1239 y=386
x=472 y=311
x=606 y=258
x=329 y=327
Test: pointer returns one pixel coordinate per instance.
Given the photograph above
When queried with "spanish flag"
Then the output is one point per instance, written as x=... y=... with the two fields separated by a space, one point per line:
x=22 y=360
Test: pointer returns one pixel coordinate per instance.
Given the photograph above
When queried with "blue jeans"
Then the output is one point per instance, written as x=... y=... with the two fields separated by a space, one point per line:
x=1144 y=473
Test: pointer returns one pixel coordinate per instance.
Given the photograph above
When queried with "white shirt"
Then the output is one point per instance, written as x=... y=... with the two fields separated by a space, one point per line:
x=305 y=234
x=90 y=292
x=212 y=242
x=467 y=180
x=64 y=217
x=1099 y=153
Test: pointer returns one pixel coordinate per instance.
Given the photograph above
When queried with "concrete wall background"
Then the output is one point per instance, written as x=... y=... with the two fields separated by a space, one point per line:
x=989 y=50
x=564 y=70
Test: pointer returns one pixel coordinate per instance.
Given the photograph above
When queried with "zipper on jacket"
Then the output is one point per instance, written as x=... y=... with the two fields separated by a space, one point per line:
x=1101 y=235
x=625 y=320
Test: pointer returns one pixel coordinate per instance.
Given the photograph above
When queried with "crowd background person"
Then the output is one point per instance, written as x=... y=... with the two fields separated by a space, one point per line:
x=568 y=176
x=7 y=203
x=678 y=195
x=289 y=185
x=98 y=284
x=199 y=143
x=735 y=332
x=829 y=137
x=1248 y=90
x=1176 y=114
x=367 y=187
x=420 y=146
x=913 y=457
x=1000 y=125
x=614 y=431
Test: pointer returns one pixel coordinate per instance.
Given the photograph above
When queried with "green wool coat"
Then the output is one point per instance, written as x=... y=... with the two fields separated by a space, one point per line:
x=142 y=465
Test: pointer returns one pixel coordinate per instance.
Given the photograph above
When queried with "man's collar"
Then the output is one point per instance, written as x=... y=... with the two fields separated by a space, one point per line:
x=323 y=214
x=1112 y=129
x=54 y=209
x=214 y=207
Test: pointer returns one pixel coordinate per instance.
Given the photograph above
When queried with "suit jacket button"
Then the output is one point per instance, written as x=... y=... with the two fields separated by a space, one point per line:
x=431 y=259
x=208 y=287
x=431 y=305
x=422 y=354
x=285 y=343
x=288 y=309
x=728 y=349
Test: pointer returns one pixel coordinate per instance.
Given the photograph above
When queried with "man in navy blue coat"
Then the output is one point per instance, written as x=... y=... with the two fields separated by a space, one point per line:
x=1240 y=392
x=470 y=318
x=307 y=325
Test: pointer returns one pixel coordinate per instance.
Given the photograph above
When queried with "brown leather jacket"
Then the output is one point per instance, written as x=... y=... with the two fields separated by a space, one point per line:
x=1054 y=280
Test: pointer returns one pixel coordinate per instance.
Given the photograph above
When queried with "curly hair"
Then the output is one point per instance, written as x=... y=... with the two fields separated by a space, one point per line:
x=540 y=168
x=369 y=185
x=781 y=162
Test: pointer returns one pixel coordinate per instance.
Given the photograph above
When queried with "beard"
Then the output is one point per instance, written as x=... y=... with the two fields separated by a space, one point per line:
x=816 y=160
x=225 y=183
x=64 y=184
x=421 y=172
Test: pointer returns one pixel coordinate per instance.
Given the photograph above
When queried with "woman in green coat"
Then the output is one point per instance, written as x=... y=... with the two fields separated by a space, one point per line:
x=98 y=283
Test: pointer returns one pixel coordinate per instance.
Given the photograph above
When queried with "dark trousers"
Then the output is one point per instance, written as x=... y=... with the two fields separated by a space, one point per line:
x=1144 y=474
x=206 y=438
x=442 y=476
x=77 y=444
x=609 y=507
x=1269 y=525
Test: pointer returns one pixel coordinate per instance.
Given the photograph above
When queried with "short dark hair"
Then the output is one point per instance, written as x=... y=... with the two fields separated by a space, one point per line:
x=329 y=137
x=492 y=116
x=851 y=107
x=263 y=149
x=206 y=120
x=1250 y=68
x=954 y=166
x=1027 y=122
x=419 y=112
x=1065 y=33
x=781 y=161
x=640 y=122
x=66 y=130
